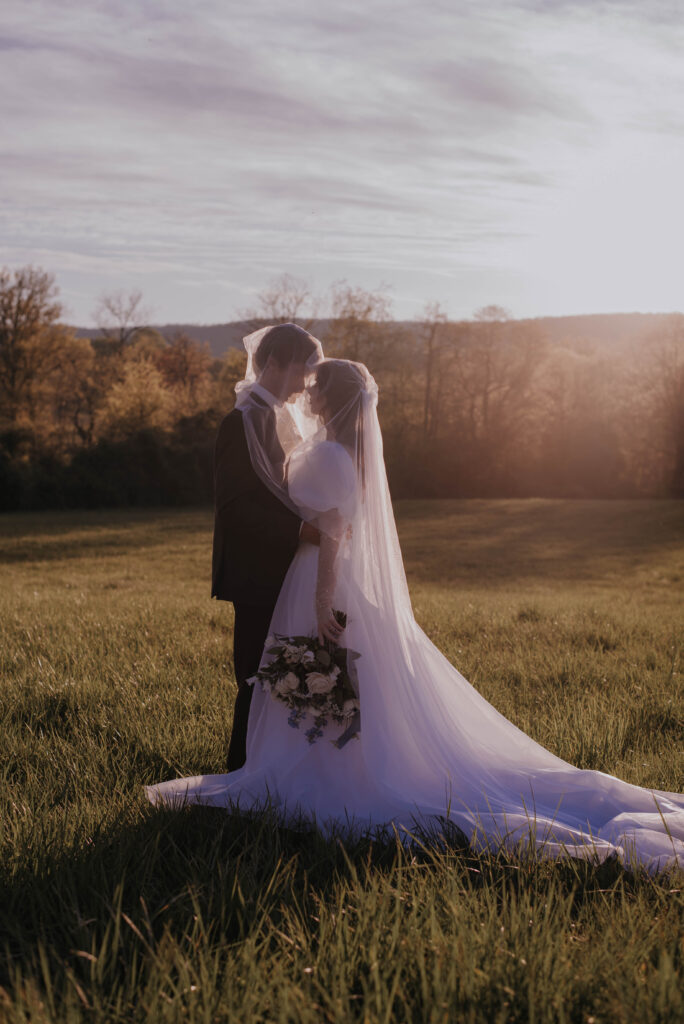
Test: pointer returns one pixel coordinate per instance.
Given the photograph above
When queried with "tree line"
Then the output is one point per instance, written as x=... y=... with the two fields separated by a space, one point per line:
x=485 y=407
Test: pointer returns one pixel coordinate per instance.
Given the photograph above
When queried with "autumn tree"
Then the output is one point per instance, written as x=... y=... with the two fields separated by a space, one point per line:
x=139 y=401
x=432 y=338
x=576 y=445
x=30 y=336
x=653 y=426
x=286 y=299
x=43 y=366
x=479 y=405
x=229 y=371
x=360 y=322
x=183 y=363
x=493 y=362
x=146 y=343
x=120 y=316
x=668 y=388
x=71 y=397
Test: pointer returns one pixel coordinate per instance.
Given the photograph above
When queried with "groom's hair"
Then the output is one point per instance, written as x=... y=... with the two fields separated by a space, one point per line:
x=287 y=343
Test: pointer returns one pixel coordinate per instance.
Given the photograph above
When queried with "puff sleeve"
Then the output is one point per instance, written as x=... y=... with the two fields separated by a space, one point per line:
x=322 y=478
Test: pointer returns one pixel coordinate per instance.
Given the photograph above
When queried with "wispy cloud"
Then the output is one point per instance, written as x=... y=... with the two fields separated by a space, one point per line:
x=443 y=147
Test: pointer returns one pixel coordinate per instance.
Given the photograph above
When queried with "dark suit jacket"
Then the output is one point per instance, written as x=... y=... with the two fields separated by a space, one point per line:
x=255 y=535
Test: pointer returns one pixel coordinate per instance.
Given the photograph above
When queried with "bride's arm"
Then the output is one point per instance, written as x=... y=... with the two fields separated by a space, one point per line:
x=328 y=627
x=322 y=480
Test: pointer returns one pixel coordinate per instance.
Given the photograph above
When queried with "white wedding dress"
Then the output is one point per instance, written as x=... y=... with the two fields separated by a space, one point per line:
x=430 y=747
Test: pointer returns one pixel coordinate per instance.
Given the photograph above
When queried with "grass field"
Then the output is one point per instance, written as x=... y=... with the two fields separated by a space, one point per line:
x=116 y=671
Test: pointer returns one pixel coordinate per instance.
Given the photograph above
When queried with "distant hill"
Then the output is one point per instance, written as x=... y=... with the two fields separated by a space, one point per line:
x=600 y=330
x=605 y=330
x=219 y=337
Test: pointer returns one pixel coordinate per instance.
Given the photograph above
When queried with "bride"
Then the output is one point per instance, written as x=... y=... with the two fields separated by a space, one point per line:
x=430 y=751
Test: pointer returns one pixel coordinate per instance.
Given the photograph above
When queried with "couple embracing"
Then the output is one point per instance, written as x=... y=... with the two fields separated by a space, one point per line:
x=305 y=530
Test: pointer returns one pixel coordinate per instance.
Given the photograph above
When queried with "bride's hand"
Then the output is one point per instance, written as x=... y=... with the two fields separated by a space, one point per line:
x=328 y=626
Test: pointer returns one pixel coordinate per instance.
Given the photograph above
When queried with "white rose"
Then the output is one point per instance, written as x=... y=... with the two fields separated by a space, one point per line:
x=349 y=707
x=307 y=657
x=286 y=683
x=291 y=653
x=334 y=672
x=318 y=683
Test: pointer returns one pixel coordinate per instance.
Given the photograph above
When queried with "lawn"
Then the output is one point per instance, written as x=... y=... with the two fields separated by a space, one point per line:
x=115 y=671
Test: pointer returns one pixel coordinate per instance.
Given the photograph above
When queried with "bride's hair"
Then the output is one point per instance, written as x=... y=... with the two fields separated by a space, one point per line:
x=342 y=385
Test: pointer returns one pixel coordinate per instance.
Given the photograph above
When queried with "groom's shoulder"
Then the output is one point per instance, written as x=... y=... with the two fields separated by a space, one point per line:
x=231 y=420
x=231 y=426
x=232 y=416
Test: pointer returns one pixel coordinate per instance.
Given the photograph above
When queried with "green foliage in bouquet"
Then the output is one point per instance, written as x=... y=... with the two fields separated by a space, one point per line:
x=313 y=678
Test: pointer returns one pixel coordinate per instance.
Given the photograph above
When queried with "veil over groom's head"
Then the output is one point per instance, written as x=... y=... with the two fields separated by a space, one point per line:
x=280 y=358
x=284 y=343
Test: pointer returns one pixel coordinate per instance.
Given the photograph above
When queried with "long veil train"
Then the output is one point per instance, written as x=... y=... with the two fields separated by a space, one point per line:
x=430 y=746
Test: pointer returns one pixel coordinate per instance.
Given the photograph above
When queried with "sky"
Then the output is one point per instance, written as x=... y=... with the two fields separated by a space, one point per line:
x=528 y=154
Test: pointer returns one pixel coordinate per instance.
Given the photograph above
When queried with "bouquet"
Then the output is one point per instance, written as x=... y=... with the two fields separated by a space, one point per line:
x=313 y=679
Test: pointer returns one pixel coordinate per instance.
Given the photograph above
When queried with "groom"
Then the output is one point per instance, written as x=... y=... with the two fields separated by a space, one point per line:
x=255 y=534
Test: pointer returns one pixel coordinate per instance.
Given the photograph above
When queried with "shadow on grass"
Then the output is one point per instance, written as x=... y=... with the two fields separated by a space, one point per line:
x=445 y=541
x=44 y=537
x=442 y=539
x=241 y=875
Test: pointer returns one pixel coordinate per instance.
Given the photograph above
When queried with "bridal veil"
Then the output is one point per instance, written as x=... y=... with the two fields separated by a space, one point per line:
x=429 y=738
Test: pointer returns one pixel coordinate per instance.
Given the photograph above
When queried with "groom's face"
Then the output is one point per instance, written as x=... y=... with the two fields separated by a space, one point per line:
x=286 y=380
x=294 y=380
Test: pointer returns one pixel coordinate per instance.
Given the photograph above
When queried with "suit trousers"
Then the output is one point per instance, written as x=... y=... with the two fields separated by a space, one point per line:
x=249 y=638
